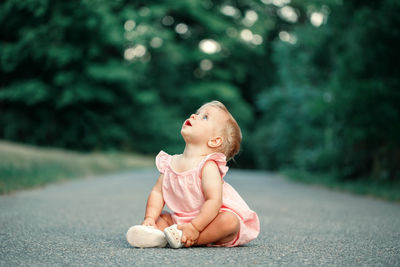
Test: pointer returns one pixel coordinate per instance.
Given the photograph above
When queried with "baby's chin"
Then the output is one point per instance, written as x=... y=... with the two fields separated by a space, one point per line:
x=186 y=136
x=183 y=133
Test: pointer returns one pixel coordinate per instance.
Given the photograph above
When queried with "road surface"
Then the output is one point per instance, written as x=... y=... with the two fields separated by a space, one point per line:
x=83 y=223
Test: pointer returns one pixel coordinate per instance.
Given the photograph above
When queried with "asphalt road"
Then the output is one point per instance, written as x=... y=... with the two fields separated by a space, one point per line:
x=83 y=223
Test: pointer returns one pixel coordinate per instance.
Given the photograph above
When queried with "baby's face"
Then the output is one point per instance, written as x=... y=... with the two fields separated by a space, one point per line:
x=207 y=123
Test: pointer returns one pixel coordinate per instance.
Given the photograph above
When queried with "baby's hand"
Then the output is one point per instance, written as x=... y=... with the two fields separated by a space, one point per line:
x=149 y=222
x=189 y=234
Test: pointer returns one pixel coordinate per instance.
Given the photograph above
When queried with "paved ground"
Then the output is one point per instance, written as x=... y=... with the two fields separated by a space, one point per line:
x=83 y=223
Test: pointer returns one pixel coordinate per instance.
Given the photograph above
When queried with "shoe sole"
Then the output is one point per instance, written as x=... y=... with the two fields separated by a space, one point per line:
x=145 y=237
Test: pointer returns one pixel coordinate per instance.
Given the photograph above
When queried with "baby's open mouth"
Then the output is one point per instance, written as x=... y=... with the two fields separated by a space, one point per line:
x=187 y=123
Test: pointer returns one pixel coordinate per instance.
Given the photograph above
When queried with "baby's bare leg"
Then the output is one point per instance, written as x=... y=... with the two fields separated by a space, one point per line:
x=222 y=229
x=164 y=221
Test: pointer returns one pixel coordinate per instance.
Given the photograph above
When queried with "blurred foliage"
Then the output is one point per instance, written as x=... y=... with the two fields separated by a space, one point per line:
x=313 y=84
x=334 y=108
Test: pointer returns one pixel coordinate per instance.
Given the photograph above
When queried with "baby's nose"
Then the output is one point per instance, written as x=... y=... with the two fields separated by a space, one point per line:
x=193 y=116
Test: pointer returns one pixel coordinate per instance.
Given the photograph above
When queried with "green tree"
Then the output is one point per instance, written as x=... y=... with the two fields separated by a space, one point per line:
x=337 y=91
x=118 y=75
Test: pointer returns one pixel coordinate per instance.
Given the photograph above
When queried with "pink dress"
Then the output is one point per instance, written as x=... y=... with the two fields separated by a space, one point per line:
x=182 y=192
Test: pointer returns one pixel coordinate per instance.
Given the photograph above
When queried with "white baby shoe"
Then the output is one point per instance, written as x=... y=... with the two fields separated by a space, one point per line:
x=141 y=236
x=173 y=236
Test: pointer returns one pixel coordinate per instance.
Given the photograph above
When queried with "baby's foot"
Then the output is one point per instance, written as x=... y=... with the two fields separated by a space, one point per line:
x=146 y=237
x=174 y=236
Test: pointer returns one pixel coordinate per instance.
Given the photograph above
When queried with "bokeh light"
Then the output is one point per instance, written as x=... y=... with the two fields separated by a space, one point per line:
x=168 y=20
x=288 y=13
x=317 y=19
x=137 y=51
x=278 y=3
x=250 y=18
x=257 y=39
x=129 y=25
x=206 y=64
x=287 y=37
x=156 y=42
x=209 y=46
x=246 y=35
x=229 y=10
x=181 y=28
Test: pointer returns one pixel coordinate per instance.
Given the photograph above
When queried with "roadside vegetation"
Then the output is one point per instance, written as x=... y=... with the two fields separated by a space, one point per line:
x=23 y=166
x=382 y=189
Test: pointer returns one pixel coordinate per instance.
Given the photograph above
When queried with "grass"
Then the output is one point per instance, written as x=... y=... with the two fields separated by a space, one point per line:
x=387 y=190
x=23 y=166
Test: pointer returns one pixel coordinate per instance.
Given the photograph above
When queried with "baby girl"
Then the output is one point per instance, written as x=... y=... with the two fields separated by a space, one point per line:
x=206 y=210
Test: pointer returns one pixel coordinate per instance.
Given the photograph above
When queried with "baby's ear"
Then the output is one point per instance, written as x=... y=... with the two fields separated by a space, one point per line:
x=215 y=142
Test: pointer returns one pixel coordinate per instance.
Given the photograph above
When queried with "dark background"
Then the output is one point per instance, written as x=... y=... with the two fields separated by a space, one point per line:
x=313 y=84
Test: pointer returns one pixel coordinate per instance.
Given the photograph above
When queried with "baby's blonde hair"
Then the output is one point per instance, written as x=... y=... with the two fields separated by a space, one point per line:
x=232 y=135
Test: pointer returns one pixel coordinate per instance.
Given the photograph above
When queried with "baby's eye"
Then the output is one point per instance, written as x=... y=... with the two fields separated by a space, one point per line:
x=205 y=117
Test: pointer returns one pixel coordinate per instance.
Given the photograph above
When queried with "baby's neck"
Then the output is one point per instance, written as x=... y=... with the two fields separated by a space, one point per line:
x=192 y=151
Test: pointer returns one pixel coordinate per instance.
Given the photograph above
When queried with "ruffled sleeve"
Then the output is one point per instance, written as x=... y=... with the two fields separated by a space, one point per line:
x=219 y=159
x=162 y=161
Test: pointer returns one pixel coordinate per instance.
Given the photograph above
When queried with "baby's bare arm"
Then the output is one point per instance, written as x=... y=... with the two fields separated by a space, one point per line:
x=212 y=188
x=155 y=203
